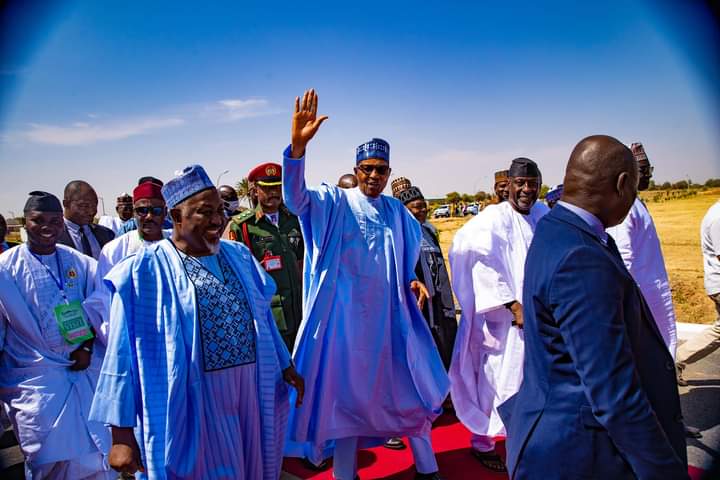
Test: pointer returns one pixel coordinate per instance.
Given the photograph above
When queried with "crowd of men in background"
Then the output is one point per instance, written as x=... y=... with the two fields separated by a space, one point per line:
x=163 y=342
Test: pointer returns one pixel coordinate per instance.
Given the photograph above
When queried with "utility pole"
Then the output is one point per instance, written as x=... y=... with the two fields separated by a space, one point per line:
x=217 y=182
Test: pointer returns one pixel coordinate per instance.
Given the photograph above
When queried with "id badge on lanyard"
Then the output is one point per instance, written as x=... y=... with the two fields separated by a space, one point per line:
x=72 y=322
x=70 y=316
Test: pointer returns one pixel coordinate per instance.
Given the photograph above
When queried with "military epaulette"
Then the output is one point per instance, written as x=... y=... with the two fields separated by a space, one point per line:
x=243 y=216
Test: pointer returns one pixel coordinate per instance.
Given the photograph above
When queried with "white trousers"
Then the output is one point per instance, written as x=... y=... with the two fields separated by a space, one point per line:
x=345 y=459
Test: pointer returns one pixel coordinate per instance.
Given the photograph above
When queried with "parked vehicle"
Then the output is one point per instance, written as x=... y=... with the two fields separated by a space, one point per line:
x=472 y=209
x=442 y=211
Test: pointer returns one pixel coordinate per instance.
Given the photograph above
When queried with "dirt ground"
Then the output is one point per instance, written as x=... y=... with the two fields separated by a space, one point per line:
x=678 y=226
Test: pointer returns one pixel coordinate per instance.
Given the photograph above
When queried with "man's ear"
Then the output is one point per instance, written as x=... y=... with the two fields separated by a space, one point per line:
x=66 y=203
x=176 y=215
x=621 y=184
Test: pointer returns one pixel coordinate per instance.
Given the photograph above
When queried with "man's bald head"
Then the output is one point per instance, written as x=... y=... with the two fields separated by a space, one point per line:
x=75 y=187
x=227 y=192
x=601 y=177
x=348 y=181
x=80 y=202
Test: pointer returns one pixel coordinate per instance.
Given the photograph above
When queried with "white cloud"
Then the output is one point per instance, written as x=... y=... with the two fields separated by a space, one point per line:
x=84 y=133
x=101 y=128
x=233 y=109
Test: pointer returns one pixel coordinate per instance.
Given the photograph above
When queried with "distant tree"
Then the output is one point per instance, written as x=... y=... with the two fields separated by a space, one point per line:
x=452 y=197
x=467 y=198
x=681 y=185
x=242 y=187
x=543 y=190
x=481 y=196
x=666 y=186
x=652 y=185
x=713 y=183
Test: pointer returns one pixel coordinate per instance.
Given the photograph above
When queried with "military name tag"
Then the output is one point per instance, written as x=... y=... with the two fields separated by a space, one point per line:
x=272 y=263
x=73 y=325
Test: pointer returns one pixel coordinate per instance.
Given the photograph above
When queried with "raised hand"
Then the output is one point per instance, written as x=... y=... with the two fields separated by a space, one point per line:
x=305 y=122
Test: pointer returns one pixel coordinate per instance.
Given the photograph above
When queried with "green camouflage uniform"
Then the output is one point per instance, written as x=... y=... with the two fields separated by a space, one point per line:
x=286 y=242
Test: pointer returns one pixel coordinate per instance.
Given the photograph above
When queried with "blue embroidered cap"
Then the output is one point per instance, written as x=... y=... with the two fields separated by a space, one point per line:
x=375 y=148
x=188 y=182
x=554 y=194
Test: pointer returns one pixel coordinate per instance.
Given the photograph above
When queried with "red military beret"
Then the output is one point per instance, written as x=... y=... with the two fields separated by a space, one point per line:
x=266 y=175
x=147 y=190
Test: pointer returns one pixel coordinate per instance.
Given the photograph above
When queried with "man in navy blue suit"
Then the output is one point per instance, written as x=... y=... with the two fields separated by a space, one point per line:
x=598 y=398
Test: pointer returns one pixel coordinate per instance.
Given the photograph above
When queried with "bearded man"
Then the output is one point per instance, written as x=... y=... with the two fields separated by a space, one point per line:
x=487 y=260
x=192 y=384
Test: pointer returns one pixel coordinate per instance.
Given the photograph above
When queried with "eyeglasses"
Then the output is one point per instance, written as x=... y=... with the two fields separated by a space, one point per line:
x=155 y=211
x=380 y=169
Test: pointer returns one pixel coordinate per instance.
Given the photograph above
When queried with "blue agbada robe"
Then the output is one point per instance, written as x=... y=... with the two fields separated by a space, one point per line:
x=153 y=375
x=370 y=365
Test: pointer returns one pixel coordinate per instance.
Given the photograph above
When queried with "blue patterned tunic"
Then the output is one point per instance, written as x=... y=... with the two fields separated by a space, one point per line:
x=226 y=328
x=195 y=363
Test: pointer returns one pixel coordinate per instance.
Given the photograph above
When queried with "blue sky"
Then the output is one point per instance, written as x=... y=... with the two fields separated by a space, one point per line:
x=111 y=91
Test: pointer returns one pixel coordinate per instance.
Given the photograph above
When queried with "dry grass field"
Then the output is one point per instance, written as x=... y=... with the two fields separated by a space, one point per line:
x=678 y=225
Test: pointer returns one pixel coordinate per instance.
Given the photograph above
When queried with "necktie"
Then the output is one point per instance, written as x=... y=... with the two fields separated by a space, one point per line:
x=612 y=246
x=86 y=249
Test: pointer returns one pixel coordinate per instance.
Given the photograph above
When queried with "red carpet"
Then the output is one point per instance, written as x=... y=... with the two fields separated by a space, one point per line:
x=451 y=442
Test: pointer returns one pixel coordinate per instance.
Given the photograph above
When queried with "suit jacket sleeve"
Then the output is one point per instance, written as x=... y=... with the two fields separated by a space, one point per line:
x=586 y=296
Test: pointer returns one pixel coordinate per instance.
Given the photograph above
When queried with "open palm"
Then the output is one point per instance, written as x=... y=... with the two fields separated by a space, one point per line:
x=305 y=123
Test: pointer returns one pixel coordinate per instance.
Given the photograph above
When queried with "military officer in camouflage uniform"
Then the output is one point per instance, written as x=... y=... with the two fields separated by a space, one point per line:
x=273 y=235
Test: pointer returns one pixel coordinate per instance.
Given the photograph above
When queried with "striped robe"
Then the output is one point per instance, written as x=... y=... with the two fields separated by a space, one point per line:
x=153 y=377
x=48 y=403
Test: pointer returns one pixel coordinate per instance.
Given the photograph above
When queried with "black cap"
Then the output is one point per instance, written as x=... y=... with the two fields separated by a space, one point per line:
x=42 y=202
x=523 y=167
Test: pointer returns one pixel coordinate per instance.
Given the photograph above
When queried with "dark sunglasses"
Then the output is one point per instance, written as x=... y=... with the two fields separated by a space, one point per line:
x=380 y=169
x=156 y=211
x=647 y=169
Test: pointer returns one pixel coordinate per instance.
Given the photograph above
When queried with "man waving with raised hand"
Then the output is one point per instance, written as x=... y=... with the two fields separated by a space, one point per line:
x=373 y=371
